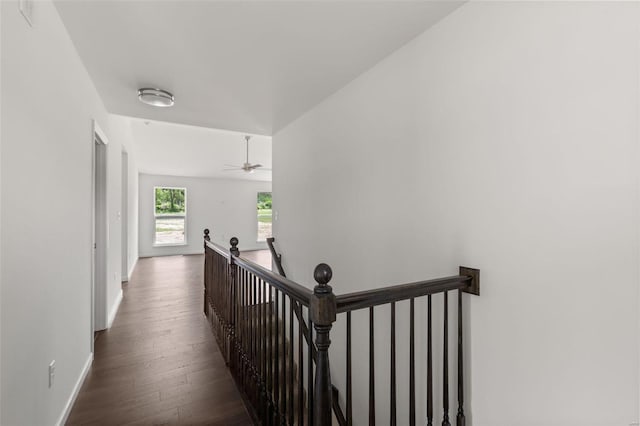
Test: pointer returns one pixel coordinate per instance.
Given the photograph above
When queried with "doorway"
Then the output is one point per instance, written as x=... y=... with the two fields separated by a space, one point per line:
x=100 y=232
x=125 y=216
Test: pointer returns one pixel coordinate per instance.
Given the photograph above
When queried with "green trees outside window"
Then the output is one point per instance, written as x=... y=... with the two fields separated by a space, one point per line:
x=170 y=215
x=170 y=200
x=264 y=216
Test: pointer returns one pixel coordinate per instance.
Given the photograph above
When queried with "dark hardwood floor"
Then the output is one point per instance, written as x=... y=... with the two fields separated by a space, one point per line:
x=159 y=362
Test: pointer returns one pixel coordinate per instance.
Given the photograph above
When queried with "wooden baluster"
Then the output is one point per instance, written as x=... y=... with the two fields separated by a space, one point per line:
x=460 y=418
x=270 y=357
x=276 y=360
x=252 y=312
x=283 y=373
x=259 y=376
x=323 y=310
x=240 y=323
x=291 y=366
x=245 y=321
x=429 y=366
x=254 y=337
x=233 y=281
x=247 y=286
x=265 y=404
x=372 y=369
x=412 y=365
x=206 y=269
x=445 y=365
x=234 y=329
x=243 y=281
x=349 y=383
x=392 y=414
x=300 y=373
x=310 y=390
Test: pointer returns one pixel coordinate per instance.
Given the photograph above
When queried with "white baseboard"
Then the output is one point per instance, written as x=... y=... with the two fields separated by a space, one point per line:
x=130 y=272
x=114 y=309
x=74 y=394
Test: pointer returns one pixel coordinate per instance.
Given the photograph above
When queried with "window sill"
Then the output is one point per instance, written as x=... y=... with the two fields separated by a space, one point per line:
x=170 y=245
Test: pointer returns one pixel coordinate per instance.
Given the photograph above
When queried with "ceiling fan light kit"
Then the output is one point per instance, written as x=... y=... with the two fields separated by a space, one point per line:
x=156 y=97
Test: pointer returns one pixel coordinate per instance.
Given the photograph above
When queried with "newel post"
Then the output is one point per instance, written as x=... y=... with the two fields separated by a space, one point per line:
x=231 y=290
x=206 y=269
x=229 y=300
x=323 y=314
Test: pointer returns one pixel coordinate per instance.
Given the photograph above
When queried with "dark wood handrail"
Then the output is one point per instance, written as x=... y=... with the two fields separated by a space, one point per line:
x=366 y=299
x=288 y=287
x=351 y=301
x=277 y=258
x=217 y=248
x=305 y=332
x=247 y=307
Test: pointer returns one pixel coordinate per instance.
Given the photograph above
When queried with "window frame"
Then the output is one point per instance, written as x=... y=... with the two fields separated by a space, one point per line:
x=258 y=240
x=169 y=216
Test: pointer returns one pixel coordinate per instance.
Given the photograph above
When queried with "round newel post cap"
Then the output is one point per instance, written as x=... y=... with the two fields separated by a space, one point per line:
x=322 y=274
x=234 y=246
x=206 y=232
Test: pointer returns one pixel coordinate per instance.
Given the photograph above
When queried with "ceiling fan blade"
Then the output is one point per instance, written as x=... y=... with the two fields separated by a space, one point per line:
x=259 y=167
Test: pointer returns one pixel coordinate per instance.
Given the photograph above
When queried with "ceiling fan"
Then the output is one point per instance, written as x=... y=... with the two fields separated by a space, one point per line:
x=246 y=167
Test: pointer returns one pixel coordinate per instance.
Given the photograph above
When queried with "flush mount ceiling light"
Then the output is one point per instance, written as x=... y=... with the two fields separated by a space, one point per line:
x=155 y=97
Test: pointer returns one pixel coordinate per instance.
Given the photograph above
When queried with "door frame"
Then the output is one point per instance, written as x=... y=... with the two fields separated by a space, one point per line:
x=98 y=289
x=124 y=215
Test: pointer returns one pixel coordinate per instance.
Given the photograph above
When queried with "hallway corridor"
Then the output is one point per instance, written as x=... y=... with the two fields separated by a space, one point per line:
x=159 y=362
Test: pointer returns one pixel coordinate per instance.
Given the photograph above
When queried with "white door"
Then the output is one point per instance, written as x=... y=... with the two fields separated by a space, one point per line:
x=100 y=232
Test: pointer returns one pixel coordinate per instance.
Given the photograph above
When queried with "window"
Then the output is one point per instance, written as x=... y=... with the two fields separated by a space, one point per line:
x=264 y=215
x=170 y=215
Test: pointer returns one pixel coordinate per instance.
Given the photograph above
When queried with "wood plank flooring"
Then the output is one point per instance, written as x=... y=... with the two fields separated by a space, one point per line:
x=159 y=362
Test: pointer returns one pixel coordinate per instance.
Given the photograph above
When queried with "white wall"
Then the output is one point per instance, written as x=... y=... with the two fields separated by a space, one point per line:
x=226 y=207
x=48 y=103
x=0 y=213
x=127 y=139
x=504 y=138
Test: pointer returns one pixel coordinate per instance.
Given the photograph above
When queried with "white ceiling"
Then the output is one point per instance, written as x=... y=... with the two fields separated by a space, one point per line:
x=249 y=66
x=180 y=150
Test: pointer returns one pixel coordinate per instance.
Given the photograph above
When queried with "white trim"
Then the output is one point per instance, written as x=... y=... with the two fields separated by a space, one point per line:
x=98 y=137
x=189 y=253
x=154 y=245
x=76 y=389
x=114 y=309
x=135 y=262
x=101 y=135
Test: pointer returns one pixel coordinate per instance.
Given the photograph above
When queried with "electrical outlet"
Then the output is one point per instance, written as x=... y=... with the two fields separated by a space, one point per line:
x=26 y=9
x=52 y=372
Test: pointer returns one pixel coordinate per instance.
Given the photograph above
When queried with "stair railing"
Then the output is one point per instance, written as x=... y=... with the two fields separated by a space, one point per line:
x=335 y=394
x=277 y=257
x=468 y=281
x=251 y=310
